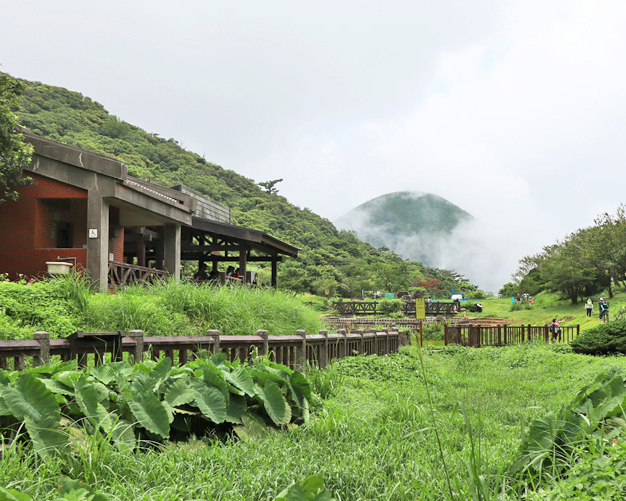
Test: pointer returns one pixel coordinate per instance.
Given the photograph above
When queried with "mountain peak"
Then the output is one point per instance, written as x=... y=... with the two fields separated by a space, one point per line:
x=405 y=222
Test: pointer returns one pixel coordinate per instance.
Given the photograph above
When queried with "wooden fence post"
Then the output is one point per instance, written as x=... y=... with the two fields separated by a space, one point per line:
x=499 y=335
x=137 y=336
x=264 y=352
x=301 y=350
x=215 y=334
x=361 y=347
x=445 y=334
x=522 y=333
x=43 y=338
x=323 y=362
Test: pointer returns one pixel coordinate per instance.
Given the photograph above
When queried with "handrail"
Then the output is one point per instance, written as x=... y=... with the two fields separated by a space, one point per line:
x=295 y=351
x=120 y=274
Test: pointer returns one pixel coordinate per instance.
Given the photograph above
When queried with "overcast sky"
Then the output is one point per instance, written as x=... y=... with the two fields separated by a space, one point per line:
x=513 y=110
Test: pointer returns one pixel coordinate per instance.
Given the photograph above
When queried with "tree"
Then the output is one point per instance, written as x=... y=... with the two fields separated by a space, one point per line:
x=14 y=154
x=269 y=186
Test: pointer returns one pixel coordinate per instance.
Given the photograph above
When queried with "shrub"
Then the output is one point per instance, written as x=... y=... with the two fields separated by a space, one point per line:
x=602 y=340
x=433 y=331
x=388 y=306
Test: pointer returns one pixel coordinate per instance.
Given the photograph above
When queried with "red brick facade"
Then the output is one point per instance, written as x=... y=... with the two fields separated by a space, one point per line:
x=48 y=221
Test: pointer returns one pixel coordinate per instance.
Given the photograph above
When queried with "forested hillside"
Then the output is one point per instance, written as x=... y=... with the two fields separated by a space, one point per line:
x=331 y=261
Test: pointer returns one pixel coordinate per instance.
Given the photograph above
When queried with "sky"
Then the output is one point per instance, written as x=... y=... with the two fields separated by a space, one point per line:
x=513 y=110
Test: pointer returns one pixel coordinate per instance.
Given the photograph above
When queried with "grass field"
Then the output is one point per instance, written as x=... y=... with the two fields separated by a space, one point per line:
x=388 y=428
x=547 y=306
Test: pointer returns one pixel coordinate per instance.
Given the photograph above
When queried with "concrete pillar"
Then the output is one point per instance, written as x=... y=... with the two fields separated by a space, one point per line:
x=274 y=272
x=43 y=338
x=324 y=352
x=141 y=251
x=215 y=334
x=172 y=250
x=98 y=239
x=137 y=336
x=265 y=349
x=243 y=261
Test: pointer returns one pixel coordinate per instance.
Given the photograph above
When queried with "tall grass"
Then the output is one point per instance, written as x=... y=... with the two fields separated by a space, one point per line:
x=64 y=305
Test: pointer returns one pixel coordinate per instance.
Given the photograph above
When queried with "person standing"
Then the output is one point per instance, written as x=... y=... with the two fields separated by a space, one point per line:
x=589 y=307
x=555 y=329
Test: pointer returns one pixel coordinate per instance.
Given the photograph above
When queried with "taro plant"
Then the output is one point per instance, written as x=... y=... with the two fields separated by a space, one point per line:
x=149 y=402
x=595 y=415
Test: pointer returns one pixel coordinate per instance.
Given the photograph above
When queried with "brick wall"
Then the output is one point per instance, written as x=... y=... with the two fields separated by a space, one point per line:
x=28 y=227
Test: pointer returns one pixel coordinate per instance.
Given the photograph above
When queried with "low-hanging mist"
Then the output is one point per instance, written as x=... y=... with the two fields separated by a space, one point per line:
x=430 y=229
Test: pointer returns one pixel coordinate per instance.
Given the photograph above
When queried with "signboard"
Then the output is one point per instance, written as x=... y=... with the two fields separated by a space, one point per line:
x=420 y=308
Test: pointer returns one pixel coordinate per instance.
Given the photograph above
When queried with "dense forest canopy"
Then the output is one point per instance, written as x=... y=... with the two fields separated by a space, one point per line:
x=331 y=261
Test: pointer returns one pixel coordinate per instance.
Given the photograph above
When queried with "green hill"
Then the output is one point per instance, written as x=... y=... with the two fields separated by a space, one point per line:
x=406 y=222
x=331 y=260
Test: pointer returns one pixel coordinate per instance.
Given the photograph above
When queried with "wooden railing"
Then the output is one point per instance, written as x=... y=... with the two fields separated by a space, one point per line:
x=351 y=308
x=354 y=323
x=121 y=274
x=295 y=351
x=475 y=335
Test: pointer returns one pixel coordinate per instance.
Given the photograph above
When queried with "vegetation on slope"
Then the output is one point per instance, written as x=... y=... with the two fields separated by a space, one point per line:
x=64 y=305
x=14 y=154
x=331 y=261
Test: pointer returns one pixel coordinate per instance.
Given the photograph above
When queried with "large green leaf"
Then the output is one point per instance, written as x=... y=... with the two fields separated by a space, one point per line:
x=68 y=378
x=211 y=403
x=58 y=387
x=13 y=495
x=179 y=393
x=275 y=404
x=87 y=398
x=47 y=441
x=123 y=434
x=213 y=376
x=237 y=407
x=30 y=398
x=240 y=379
x=159 y=373
x=252 y=427
x=150 y=413
x=300 y=388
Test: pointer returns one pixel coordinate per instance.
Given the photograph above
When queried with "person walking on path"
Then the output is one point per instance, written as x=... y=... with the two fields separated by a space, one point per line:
x=603 y=306
x=589 y=307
